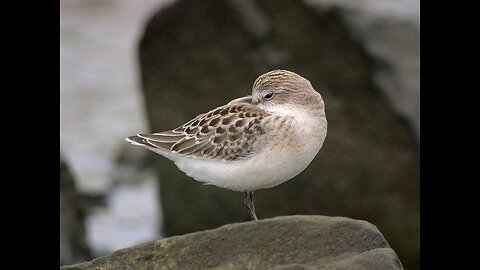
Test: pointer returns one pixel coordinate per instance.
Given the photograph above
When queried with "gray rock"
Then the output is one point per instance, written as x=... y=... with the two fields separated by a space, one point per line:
x=196 y=55
x=73 y=247
x=290 y=242
x=389 y=31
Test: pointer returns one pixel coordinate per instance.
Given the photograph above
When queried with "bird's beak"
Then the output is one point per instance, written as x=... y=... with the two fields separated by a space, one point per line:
x=246 y=99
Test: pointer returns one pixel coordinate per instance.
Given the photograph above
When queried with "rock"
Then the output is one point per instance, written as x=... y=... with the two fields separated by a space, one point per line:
x=73 y=247
x=390 y=33
x=196 y=55
x=289 y=242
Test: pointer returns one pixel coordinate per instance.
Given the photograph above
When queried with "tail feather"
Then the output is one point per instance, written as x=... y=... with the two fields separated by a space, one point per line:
x=162 y=138
x=157 y=147
x=136 y=140
x=142 y=141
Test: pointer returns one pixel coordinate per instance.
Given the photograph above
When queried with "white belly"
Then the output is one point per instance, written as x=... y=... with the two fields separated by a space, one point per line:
x=265 y=169
x=244 y=175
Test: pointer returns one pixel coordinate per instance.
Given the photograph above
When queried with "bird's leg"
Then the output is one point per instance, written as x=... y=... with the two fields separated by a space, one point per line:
x=250 y=205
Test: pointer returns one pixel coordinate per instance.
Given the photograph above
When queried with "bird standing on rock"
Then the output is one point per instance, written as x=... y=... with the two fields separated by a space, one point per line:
x=254 y=142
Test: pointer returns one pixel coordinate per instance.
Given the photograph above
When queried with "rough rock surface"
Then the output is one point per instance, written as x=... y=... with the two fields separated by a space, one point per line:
x=291 y=242
x=196 y=55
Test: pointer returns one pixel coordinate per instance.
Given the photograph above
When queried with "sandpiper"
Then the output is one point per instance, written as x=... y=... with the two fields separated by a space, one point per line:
x=253 y=142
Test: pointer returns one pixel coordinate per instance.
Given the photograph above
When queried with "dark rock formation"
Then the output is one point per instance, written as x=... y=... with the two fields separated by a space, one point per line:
x=73 y=247
x=196 y=55
x=390 y=33
x=292 y=242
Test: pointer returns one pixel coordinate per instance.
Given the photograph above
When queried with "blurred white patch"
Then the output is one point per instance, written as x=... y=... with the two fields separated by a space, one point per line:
x=101 y=100
x=130 y=218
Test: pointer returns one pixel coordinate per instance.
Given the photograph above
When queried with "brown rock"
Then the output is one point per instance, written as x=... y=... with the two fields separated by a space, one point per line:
x=73 y=247
x=292 y=242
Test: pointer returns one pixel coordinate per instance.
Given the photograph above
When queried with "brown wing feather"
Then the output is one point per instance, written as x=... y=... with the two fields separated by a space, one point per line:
x=228 y=132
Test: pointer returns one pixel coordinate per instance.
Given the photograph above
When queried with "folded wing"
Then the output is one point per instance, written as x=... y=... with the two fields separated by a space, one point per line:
x=229 y=132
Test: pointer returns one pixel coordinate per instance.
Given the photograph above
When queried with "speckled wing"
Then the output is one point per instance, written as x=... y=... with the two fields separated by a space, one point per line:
x=229 y=132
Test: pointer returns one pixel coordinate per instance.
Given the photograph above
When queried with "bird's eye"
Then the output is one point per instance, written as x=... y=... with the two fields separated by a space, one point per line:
x=268 y=96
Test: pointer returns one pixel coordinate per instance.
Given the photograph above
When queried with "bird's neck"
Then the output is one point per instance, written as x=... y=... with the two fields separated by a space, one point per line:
x=314 y=112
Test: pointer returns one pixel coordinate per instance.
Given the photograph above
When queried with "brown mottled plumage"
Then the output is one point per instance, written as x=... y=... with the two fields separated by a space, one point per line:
x=227 y=132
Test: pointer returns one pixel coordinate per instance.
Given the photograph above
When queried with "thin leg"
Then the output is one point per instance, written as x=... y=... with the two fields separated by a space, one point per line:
x=250 y=205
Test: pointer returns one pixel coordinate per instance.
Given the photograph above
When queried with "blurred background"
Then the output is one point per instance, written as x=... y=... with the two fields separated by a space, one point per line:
x=141 y=66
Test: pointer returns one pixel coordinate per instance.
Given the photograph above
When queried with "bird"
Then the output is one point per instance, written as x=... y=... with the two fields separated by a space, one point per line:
x=253 y=142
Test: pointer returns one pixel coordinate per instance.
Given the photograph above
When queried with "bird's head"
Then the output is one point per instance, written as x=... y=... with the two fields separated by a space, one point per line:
x=279 y=89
